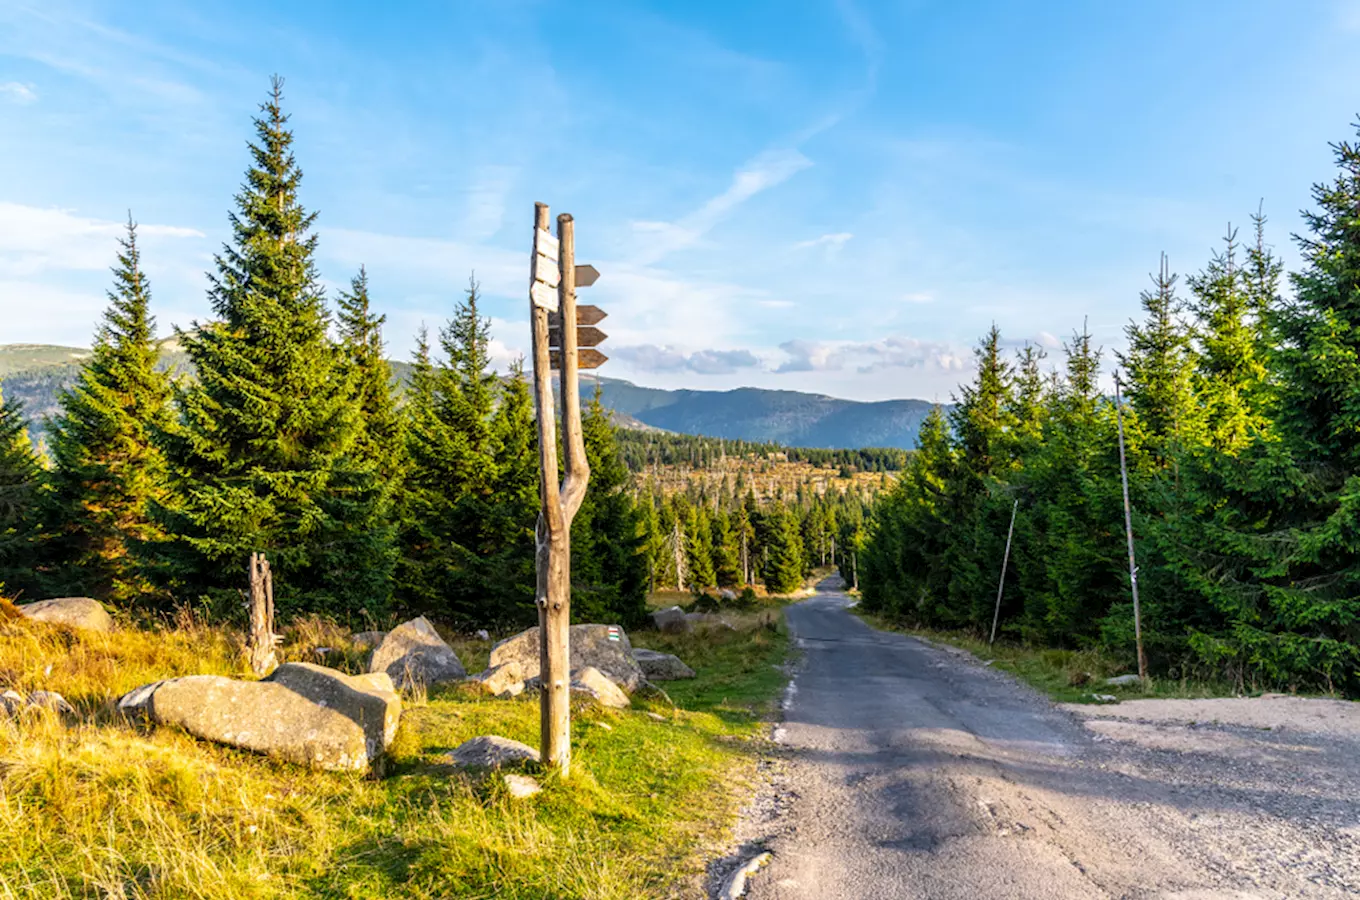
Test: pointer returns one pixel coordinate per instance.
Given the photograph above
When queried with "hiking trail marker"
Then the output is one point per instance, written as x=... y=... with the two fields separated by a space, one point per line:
x=553 y=279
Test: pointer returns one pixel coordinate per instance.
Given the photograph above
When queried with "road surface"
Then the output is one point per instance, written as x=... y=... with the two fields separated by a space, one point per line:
x=914 y=771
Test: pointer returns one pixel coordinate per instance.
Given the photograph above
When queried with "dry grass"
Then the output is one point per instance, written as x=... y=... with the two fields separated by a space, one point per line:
x=91 y=806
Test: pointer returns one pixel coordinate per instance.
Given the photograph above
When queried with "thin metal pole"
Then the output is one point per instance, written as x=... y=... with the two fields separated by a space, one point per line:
x=1005 y=561
x=1128 y=531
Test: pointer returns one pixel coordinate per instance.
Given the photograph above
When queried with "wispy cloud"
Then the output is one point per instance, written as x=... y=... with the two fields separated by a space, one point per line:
x=830 y=241
x=15 y=92
x=35 y=240
x=769 y=169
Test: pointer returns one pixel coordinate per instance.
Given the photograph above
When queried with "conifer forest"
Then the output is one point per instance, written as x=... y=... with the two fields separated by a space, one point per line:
x=1241 y=412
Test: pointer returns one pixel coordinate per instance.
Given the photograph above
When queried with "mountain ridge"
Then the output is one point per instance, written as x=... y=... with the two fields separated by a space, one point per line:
x=36 y=373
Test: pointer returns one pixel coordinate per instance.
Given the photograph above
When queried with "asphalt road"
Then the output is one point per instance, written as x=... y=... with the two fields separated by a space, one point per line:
x=914 y=771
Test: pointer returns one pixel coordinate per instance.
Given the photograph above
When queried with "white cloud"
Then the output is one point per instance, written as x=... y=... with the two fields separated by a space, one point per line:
x=918 y=297
x=893 y=352
x=651 y=358
x=35 y=240
x=15 y=92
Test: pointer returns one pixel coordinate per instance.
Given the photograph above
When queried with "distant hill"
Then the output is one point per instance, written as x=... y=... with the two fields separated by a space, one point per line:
x=35 y=373
x=792 y=418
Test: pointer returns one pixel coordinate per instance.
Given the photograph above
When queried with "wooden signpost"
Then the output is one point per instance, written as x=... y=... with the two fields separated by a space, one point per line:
x=552 y=295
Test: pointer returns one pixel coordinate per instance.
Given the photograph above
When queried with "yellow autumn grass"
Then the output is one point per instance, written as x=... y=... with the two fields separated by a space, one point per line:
x=92 y=806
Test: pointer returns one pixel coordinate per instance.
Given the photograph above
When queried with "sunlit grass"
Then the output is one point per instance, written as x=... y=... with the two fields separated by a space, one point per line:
x=1067 y=676
x=92 y=806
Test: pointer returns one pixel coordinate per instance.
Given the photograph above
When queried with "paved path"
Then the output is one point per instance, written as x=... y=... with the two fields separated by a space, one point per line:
x=917 y=772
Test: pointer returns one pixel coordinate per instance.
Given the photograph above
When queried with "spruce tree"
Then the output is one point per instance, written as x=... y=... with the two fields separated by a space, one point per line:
x=380 y=440
x=609 y=568
x=699 y=546
x=783 y=564
x=106 y=468
x=20 y=478
x=726 y=551
x=1160 y=367
x=1303 y=627
x=261 y=456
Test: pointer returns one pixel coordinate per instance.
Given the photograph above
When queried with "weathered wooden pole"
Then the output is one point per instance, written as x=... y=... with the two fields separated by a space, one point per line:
x=260 y=639
x=1005 y=561
x=1128 y=531
x=558 y=503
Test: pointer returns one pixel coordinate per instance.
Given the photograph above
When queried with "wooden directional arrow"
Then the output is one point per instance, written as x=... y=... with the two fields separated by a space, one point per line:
x=586 y=275
x=586 y=336
x=587 y=314
x=585 y=358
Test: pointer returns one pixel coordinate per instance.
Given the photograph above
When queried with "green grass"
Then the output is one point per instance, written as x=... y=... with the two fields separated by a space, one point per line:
x=1067 y=676
x=93 y=807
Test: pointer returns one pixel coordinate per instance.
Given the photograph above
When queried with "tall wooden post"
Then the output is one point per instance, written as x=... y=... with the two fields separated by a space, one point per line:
x=558 y=503
x=1005 y=561
x=260 y=639
x=1128 y=531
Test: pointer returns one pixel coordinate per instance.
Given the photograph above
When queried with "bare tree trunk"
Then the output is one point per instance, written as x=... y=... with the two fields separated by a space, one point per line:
x=1128 y=530
x=260 y=640
x=1005 y=560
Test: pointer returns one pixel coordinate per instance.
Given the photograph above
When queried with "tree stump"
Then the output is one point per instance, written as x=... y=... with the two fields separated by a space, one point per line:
x=260 y=640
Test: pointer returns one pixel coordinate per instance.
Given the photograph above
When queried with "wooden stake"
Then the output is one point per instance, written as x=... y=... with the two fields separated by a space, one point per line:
x=558 y=503
x=1005 y=560
x=260 y=639
x=1128 y=531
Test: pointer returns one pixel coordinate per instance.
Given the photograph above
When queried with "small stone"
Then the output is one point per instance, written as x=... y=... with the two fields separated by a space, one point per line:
x=657 y=716
x=661 y=666
x=483 y=634
x=491 y=752
x=672 y=619
x=504 y=681
x=593 y=682
x=521 y=786
x=10 y=703
x=367 y=640
x=50 y=700
x=604 y=726
x=1105 y=698
x=1124 y=680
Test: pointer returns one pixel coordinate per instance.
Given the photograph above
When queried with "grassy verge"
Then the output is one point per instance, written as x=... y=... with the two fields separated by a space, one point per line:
x=1067 y=676
x=93 y=807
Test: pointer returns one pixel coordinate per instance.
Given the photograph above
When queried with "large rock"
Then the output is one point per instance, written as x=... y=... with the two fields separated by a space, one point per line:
x=414 y=654
x=671 y=619
x=77 y=612
x=490 y=752
x=10 y=703
x=504 y=681
x=659 y=666
x=301 y=713
x=605 y=647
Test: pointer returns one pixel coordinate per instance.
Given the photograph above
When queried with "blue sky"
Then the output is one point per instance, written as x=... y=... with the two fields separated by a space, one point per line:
x=828 y=196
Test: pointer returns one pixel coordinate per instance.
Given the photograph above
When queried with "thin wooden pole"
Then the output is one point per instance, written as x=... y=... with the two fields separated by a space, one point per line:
x=551 y=537
x=1128 y=531
x=1005 y=561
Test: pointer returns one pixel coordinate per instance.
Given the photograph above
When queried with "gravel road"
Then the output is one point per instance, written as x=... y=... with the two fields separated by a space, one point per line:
x=915 y=771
